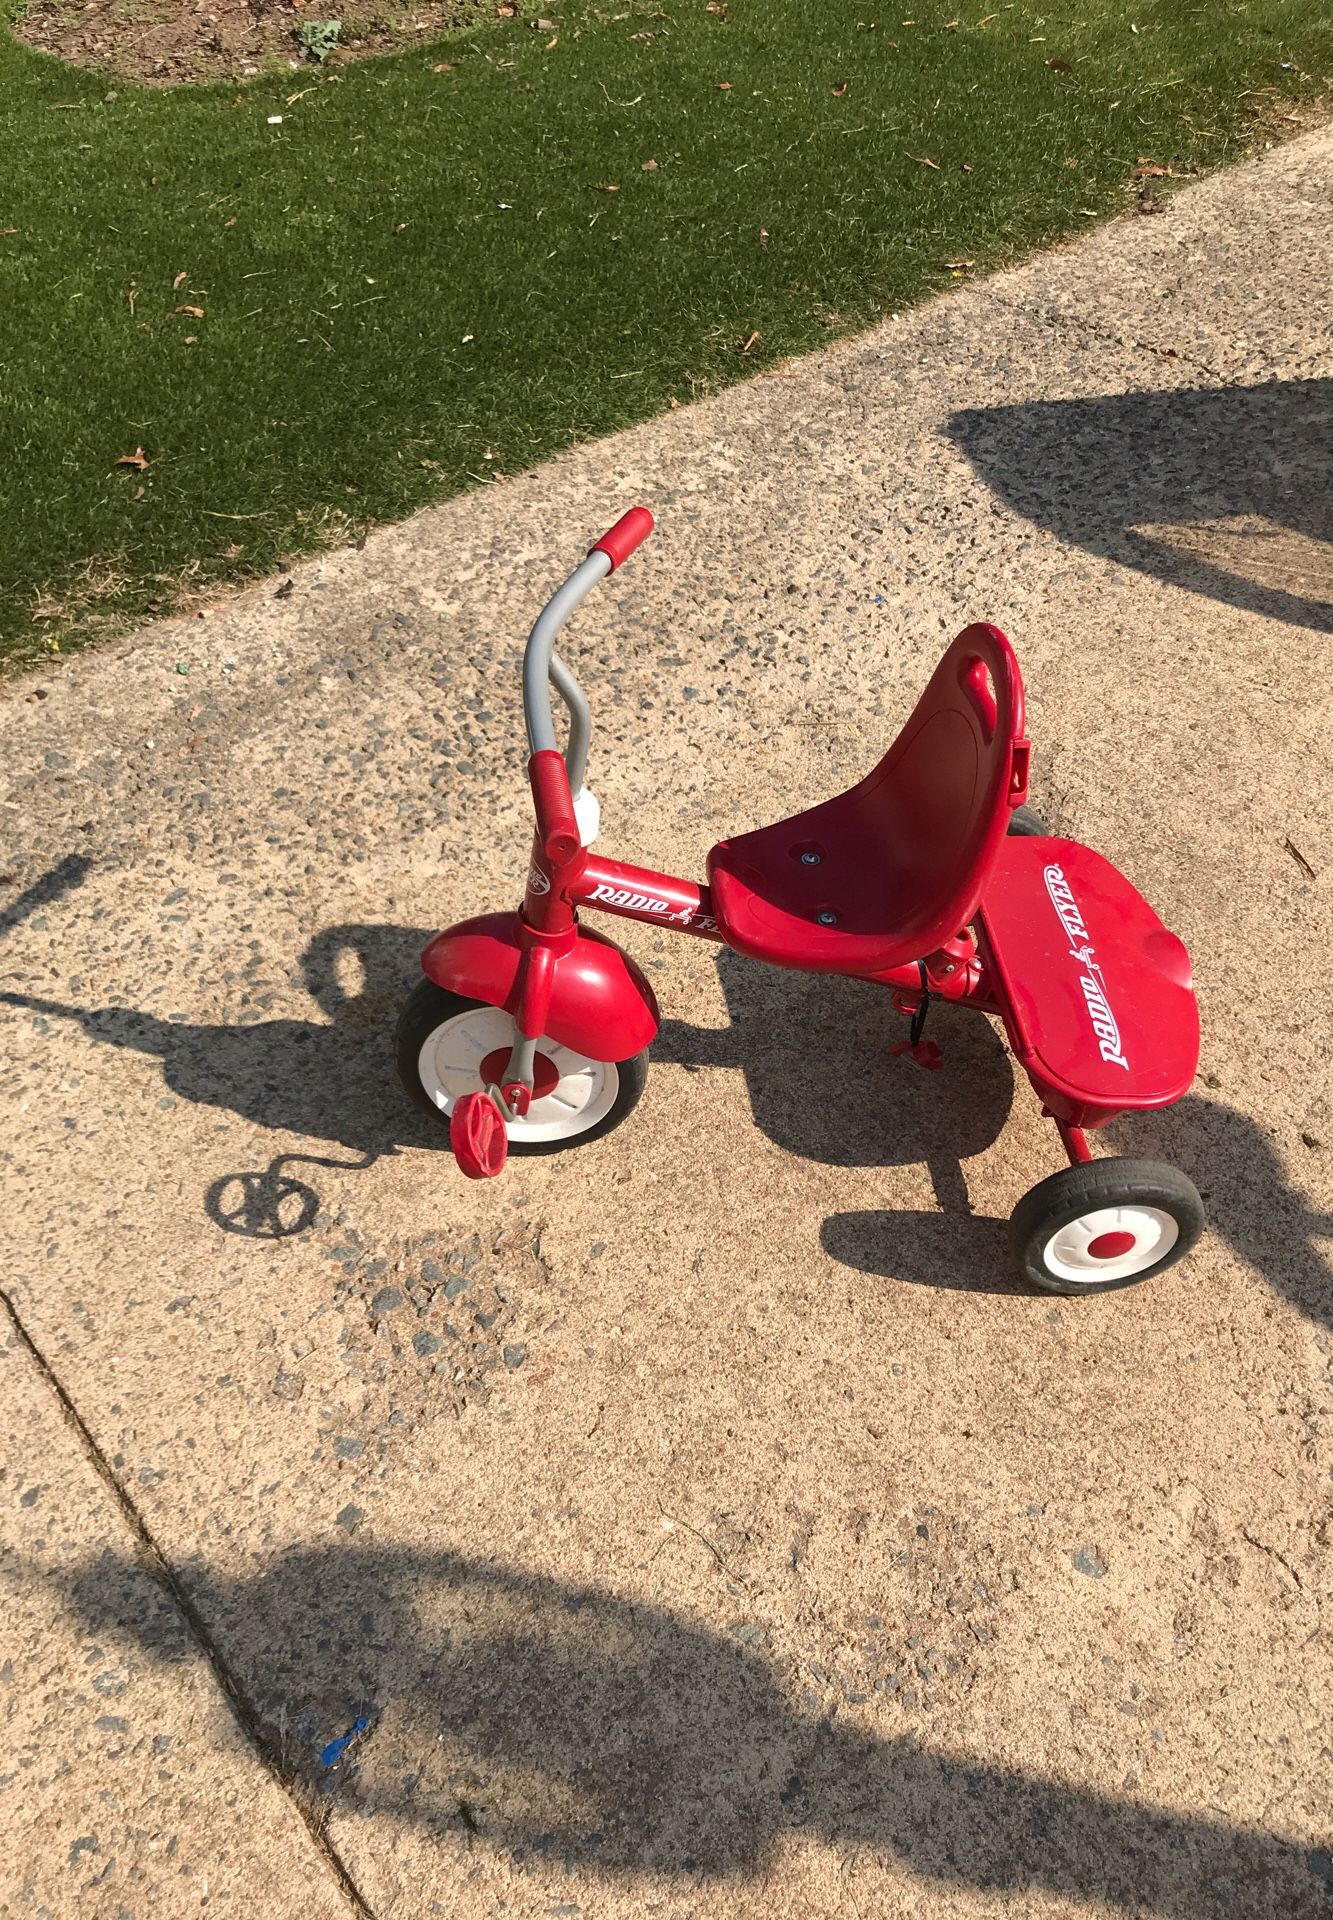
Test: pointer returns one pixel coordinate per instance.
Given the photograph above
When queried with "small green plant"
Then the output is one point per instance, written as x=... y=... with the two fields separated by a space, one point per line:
x=319 y=37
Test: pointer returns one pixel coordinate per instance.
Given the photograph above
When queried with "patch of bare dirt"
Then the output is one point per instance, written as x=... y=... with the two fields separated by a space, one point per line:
x=167 y=42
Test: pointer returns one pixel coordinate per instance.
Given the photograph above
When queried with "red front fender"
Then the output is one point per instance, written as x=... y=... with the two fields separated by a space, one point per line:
x=600 y=1004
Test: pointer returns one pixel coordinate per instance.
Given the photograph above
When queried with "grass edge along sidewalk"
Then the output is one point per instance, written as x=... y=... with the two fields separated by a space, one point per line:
x=241 y=323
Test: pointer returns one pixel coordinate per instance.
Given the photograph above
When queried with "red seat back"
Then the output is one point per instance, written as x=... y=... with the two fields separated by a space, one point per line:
x=884 y=874
x=942 y=794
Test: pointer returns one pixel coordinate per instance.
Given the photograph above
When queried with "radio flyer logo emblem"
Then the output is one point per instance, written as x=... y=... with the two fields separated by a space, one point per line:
x=1105 y=1027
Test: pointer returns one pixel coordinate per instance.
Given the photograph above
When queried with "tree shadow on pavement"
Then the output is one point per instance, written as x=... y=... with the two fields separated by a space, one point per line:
x=1222 y=491
x=61 y=879
x=565 y=1727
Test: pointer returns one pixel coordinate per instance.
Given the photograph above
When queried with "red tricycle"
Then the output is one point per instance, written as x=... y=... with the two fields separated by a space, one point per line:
x=530 y=1032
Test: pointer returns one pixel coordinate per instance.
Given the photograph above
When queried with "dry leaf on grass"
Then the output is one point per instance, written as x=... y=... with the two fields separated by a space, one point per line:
x=195 y=313
x=1059 y=66
x=1149 y=170
x=179 y=280
x=610 y=187
x=839 y=90
x=138 y=460
x=724 y=86
x=649 y=166
x=924 y=160
x=443 y=66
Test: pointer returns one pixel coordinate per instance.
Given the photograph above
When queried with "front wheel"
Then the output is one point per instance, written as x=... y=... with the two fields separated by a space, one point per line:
x=1106 y=1224
x=448 y=1046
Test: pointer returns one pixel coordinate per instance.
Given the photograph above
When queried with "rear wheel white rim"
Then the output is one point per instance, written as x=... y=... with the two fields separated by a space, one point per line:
x=1068 y=1253
x=449 y=1065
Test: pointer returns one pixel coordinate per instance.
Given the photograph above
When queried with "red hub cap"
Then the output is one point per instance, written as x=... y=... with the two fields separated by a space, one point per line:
x=1110 y=1246
x=545 y=1078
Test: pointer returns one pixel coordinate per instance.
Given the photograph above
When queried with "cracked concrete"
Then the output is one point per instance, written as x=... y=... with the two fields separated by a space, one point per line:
x=704 y=1524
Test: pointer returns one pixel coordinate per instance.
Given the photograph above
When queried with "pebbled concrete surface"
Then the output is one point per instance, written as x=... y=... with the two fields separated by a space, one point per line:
x=125 y=1786
x=706 y=1524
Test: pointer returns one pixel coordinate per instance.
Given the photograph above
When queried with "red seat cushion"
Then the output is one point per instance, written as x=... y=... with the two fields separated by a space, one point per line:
x=883 y=874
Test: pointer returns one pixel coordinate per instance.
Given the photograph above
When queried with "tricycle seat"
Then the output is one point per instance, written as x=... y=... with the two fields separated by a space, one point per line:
x=882 y=875
x=1096 y=994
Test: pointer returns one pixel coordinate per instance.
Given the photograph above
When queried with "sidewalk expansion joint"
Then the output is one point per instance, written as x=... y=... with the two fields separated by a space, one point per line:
x=244 y=1714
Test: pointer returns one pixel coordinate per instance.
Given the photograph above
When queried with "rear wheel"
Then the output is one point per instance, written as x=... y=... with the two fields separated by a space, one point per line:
x=449 y=1046
x=1026 y=824
x=1107 y=1224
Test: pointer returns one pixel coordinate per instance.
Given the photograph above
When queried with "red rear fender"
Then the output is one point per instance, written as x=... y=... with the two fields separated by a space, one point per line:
x=600 y=1004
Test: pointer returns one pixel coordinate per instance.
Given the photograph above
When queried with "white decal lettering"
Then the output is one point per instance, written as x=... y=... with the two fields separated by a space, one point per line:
x=1105 y=1027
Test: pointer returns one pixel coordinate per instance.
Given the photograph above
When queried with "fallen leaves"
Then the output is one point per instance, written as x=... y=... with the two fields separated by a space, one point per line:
x=649 y=166
x=195 y=313
x=724 y=86
x=180 y=279
x=610 y=187
x=840 y=89
x=1059 y=66
x=443 y=66
x=138 y=460
x=1299 y=858
x=1149 y=170
x=746 y=345
x=924 y=160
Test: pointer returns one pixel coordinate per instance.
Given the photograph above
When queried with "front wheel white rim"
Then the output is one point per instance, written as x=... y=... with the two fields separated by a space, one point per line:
x=449 y=1066
x=1073 y=1253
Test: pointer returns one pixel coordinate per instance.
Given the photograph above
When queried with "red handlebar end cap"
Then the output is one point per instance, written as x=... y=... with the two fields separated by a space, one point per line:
x=477 y=1136
x=629 y=532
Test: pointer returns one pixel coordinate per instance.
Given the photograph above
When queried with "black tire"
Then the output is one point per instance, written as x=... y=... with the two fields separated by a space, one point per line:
x=1026 y=824
x=429 y=1006
x=1075 y=1191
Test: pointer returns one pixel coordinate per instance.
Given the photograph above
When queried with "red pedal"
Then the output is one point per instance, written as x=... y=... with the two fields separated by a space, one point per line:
x=478 y=1138
x=926 y=1053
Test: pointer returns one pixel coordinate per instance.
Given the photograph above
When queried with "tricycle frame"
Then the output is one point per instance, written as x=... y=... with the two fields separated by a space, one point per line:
x=564 y=877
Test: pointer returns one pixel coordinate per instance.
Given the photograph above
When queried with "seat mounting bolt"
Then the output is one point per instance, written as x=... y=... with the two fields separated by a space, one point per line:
x=810 y=859
x=827 y=919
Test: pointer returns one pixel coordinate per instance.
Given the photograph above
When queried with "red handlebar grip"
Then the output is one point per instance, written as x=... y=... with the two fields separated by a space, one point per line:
x=630 y=531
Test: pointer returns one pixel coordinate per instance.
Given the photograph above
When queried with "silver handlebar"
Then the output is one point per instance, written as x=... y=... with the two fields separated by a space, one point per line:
x=543 y=668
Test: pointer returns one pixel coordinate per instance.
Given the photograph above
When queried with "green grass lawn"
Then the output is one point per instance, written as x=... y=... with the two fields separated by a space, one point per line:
x=419 y=279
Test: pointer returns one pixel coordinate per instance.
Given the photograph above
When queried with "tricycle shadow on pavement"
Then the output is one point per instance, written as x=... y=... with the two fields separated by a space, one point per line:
x=823 y=1084
x=1252 y=1206
x=1222 y=491
x=329 y=1079
x=567 y=1728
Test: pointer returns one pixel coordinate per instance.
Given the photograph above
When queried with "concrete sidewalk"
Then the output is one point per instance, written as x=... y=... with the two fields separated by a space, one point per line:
x=705 y=1523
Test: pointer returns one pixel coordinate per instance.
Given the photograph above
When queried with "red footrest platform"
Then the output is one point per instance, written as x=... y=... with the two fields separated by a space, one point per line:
x=1096 y=994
